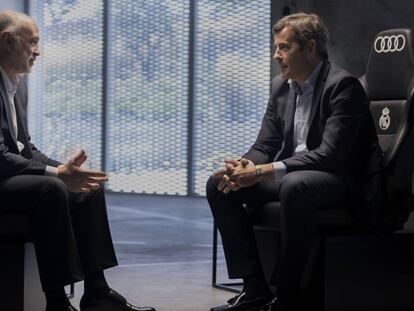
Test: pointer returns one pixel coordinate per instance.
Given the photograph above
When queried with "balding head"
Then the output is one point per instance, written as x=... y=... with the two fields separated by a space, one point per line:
x=13 y=22
x=19 y=37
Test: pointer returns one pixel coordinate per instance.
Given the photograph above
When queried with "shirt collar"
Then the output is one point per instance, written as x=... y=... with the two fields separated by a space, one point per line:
x=11 y=86
x=309 y=82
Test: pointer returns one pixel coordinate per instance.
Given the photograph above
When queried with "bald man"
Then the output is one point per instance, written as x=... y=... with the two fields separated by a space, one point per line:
x=65 y=202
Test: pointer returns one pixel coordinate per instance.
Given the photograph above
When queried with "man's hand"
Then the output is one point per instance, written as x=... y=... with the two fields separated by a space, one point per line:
x=252 y=174
x=225 y=172
x=243 y=175
x=229 y=180
x=227 y=169
x=240 y=174
x=78 y=159
x=78 y=179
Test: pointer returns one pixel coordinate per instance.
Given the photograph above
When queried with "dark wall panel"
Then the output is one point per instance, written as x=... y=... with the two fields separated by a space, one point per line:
x=354 y=23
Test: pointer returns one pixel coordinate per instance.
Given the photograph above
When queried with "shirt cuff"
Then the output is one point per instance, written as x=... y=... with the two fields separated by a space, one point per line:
x=280 y=170
x=51 y=171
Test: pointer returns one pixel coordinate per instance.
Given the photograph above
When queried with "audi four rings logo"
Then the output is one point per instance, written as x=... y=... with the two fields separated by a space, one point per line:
x=389 y=44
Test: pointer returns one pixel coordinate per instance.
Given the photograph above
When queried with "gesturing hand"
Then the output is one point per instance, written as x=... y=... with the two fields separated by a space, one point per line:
x=78 y=159
x=78 y=179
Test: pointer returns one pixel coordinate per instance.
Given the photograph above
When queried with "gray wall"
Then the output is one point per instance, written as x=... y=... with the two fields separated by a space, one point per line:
x=17 y=5
x=353 y=24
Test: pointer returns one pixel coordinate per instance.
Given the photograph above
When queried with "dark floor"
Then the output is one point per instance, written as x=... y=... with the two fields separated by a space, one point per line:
x=164 y=249
x=149 y=229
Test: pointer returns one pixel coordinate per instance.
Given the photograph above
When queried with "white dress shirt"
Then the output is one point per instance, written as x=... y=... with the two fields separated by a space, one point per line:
x=11 y=88
x=304 y=96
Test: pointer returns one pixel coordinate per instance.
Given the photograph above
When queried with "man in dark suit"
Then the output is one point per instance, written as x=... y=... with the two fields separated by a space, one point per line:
x=316 y=148
x=65 y=202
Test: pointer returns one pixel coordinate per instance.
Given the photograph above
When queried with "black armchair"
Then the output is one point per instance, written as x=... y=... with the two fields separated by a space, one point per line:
x=19 y=283
x=20 y=288
x=349 y=269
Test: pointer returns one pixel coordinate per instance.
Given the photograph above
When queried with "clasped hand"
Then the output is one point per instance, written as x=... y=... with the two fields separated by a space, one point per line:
x=236 y=174
x=78 y=179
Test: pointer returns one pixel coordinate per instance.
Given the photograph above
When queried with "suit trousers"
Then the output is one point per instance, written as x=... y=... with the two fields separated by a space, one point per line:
x=70 y=231
x=301 y=194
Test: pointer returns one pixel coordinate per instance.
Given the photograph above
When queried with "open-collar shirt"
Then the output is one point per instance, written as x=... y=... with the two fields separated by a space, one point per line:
x=11 y=88
x=304 y=96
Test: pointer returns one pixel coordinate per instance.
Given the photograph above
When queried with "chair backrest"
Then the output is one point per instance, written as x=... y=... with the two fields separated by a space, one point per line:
x=389 y=84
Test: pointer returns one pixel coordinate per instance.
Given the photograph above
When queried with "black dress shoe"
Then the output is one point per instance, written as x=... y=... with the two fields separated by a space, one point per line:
x=112 y=301
x=241 y=303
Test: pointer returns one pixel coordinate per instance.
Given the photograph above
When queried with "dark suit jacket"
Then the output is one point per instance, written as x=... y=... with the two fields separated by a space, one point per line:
x=31 y=161
x=341 y=139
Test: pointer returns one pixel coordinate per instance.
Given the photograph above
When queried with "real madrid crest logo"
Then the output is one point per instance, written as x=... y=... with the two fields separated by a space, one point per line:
x=385 y=120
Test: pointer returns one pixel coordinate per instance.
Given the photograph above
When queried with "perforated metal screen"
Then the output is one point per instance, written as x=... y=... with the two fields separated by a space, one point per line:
x=66 y=83
x=148 y=96
x=232 y=81
x=148 y=85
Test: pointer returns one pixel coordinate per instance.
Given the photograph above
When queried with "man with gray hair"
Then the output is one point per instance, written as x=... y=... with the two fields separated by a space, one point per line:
x=317 y=149
x=65 y=202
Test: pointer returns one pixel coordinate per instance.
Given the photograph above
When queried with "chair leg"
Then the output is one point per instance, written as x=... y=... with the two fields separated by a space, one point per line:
x=234 y=287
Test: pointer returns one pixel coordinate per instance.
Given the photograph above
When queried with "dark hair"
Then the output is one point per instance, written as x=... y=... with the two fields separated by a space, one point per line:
x=306 y=27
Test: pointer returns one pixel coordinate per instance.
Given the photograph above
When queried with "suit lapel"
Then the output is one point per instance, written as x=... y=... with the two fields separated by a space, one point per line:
x=317 y=93
x=19 y=99
x=289 y=119
x=5 y=101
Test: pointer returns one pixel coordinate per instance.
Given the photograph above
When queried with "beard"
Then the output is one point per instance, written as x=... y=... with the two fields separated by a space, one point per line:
x=20 y=59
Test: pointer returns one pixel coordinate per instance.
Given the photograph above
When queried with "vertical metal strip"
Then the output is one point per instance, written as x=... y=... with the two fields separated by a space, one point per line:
x=274 y=16
x=105 y=60
x=191 y=92
x=26 y=7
